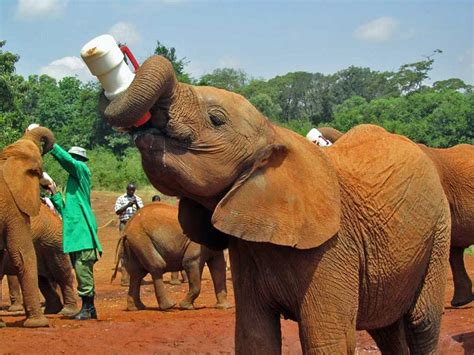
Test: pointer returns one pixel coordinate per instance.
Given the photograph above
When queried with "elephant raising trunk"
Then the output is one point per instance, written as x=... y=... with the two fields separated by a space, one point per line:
x=42 y=137
x=155 y=89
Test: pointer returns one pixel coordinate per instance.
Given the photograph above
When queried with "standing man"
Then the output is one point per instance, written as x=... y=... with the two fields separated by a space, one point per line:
x=79 y=225
x=125 y=207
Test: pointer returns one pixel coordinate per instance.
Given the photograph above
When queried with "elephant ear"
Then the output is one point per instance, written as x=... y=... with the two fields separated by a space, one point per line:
x=196 y=223
x=21 y=171
x=290 y=197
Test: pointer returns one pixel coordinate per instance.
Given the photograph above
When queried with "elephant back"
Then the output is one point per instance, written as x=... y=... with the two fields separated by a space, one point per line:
x=159 y=222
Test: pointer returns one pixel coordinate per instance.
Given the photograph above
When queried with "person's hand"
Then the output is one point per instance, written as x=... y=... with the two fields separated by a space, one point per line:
x=132 y=202
x=52 y=188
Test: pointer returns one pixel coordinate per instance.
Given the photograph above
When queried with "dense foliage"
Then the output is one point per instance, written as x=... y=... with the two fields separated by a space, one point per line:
x=439 y=115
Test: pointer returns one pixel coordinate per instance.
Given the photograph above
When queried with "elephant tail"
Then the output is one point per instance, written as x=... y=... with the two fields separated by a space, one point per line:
x=119 y=250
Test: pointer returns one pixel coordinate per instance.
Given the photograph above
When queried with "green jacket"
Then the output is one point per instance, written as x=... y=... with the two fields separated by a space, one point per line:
x=79 y=224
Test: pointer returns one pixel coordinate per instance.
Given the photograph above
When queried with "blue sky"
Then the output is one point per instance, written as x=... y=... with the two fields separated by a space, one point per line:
x=263 y=38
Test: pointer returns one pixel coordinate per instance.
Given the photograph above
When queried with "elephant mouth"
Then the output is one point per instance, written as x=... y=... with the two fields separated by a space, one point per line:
x=147 y=137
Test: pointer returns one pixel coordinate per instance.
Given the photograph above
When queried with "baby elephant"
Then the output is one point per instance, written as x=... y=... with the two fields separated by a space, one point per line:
x=54 y=267
x=154 y=243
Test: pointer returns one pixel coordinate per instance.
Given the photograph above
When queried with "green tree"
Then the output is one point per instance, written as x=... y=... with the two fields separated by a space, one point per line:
x=452 y=84
x=410 y=77
x=225 y=78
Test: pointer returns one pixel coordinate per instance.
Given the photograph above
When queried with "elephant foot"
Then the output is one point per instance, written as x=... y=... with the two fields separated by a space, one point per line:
x=186 y=305
x=166 y=305
x=458 y=301
x=36 y=322
x=69 y=311
x=53 y=309
x=222 y=305
x=16 y=307
x=136 y=307
x=175 y=282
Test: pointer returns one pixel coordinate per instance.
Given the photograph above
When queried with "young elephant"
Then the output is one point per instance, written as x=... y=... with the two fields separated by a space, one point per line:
x=154 y=243
x=53 y=265
x=20 y=171
x=365 y=219
x=455 y=167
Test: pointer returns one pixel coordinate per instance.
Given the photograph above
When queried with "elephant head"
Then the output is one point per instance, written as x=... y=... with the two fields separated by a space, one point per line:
x=216 y=150
x=22 y=168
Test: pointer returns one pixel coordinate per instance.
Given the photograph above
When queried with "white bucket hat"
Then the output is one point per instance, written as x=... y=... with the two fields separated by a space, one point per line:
x=79 y=152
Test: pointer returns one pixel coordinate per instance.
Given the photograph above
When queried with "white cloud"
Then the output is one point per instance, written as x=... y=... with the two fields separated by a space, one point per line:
x=31 y=9
x=125 y=32
x=378 y=30
x=67 y=66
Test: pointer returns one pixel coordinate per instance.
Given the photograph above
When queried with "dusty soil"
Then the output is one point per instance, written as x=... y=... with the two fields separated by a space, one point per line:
x=205 y=330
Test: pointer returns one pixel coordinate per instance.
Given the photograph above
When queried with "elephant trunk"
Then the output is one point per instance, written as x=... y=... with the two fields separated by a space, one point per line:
x=330 y=133
x=42 y=137
x=155 y=80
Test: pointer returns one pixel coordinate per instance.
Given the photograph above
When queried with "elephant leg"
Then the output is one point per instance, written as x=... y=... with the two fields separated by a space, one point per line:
x=193 y=269
x=462 y=283
x=217 y=268
x=391 y=339
x=60 y=266
x=16 y=301
x=175 y=278
x=69 y=298
x=161 y=295
x=53 y=302
x=423 y=320
x=125 y=279
x=22 y=254
x=184 y=277
x=137 y=273
x=257 y=328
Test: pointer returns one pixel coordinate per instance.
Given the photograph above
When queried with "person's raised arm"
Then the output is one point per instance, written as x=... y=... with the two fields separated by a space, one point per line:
x=71 y=165
x=121 y=207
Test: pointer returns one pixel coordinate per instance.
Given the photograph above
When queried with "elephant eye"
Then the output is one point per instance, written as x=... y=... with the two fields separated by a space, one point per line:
x=216 y=120
x=217 y=115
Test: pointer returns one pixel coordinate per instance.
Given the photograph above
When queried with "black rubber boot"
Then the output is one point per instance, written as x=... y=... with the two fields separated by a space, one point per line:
x=88 y=310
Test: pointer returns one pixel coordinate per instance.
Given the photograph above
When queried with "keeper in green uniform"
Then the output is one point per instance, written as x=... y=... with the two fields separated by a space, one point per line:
x=79 y=224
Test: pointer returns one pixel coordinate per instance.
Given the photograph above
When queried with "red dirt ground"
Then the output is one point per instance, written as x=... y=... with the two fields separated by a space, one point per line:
x=205 y=330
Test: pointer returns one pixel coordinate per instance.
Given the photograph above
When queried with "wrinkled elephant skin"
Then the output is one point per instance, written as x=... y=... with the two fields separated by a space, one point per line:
x=455 y=167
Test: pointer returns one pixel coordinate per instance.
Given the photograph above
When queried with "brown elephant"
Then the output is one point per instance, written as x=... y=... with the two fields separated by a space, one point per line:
x=54 y=267
x=154 y=243
x=455 y=166
x=20 y=171
x=366 y=219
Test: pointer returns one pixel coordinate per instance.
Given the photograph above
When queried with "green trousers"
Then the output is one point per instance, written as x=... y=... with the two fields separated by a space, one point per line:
x=83 y=263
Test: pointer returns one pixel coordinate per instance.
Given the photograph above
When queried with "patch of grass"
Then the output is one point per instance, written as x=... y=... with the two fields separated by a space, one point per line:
x=469 y=250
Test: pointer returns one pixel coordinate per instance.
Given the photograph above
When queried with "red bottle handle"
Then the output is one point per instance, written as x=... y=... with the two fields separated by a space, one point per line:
x=126 y=51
